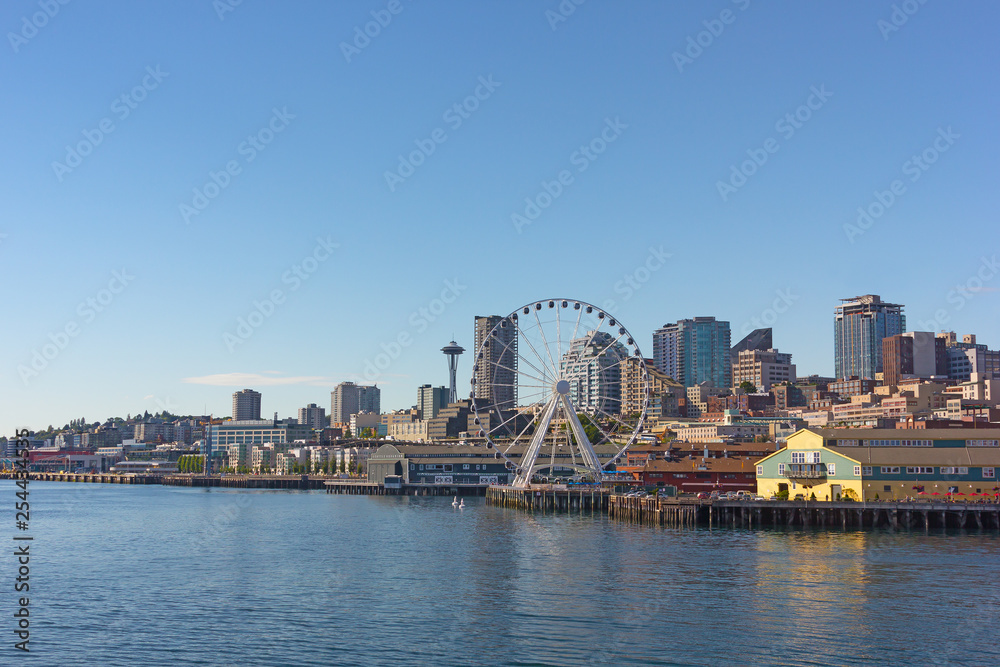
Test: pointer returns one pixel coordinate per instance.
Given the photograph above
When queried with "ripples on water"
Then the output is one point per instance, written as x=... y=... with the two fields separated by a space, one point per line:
x=169 y=576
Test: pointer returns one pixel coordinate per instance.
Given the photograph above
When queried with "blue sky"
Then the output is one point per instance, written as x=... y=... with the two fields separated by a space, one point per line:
x=353 y=255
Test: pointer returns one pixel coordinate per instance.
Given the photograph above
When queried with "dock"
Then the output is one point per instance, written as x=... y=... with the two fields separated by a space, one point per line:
x=550 y=497
x=750 y=514
x=899 y=515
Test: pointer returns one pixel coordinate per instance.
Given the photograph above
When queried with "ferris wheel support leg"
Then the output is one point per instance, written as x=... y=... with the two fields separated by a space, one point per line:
x=530 y=454
x=589 y=455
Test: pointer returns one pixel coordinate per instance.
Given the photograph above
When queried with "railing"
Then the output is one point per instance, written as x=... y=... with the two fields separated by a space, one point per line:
x=803 y=473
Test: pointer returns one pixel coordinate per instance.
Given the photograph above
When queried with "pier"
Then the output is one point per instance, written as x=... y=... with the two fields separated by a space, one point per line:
x=656 y=511
x=549 y=497
x=805 y=514
x=86 y=478
x=919 y=515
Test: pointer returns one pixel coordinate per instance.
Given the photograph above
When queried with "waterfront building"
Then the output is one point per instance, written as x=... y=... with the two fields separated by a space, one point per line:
x=430 y=400
x=702 y=474
x=694 y=351
x=246 y=405
x=349 y=399
x=860 y=324
x=592 y=366
x=313 y=416
x=495 y=364
x=453 y=466
x=883 y=464
x=763 y=368
x=233 y=440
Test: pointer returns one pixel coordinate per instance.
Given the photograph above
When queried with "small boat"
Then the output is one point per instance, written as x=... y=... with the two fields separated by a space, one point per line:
x=454 y=503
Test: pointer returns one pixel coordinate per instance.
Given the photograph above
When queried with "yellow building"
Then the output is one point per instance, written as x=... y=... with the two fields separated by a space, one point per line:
x=871 y=464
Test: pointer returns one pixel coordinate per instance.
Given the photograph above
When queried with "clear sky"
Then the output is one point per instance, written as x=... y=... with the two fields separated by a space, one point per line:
x=169 y=167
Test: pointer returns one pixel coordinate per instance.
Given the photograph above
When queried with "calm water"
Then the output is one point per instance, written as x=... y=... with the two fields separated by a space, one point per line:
x=163 y=576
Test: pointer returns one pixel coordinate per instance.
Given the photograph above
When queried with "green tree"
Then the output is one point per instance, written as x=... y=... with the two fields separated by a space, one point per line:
x=748 y=386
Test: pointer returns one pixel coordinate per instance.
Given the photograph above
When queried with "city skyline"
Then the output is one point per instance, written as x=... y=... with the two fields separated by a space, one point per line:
x=291 y=410
x=188 y=190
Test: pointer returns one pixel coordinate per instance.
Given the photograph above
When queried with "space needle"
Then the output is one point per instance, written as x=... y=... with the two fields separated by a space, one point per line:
x=452 y=350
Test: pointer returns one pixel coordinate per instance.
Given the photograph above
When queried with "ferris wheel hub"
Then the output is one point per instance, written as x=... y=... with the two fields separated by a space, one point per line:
x=562 y=387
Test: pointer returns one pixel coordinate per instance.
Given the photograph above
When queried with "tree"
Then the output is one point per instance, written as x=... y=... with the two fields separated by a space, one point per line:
x=748 y=386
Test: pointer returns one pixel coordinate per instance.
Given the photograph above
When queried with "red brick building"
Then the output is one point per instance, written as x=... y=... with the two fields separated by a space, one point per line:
x=700 y=474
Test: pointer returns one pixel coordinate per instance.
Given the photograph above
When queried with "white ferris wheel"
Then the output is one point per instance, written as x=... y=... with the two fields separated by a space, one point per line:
x=559 y=390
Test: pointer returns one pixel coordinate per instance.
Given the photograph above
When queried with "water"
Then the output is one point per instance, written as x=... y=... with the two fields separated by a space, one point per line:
x=154 y=575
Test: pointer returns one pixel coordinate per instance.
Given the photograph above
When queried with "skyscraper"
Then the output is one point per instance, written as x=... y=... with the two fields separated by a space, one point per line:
x=351 y=399
x=758 y=339
x=246 y=405
x=430 y=400
x=592 y=365
x=313 y=416
x=859 y=325
x=496 y=369
x=694 y=351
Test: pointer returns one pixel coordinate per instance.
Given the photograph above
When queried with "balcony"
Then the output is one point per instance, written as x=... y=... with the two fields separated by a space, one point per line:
x=805 y=471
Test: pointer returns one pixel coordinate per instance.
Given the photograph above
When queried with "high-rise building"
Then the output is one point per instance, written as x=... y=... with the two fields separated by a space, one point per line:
x=758 y=339
x=496 y=363
x=313 y=416
x=430 y=400
x=246 y=405
x=694 y=351
x=664 y=393
x=965 y=357
x=914 y=354
x=859 y=326
x=763 y=368
x=592 y=365
x=350 y=399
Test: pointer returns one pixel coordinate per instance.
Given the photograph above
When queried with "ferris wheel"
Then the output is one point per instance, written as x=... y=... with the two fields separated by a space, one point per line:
x=559 y=390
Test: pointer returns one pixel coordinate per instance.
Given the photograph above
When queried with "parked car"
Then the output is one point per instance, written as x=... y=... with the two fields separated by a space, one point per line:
x=702 y=496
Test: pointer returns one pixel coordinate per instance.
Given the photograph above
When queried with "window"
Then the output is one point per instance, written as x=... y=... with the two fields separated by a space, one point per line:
x=988 y=473
x=857 y=471
x=831 y=468
x=866 y=471
x=815 y=457
x=465 y=466
x=760 y=471
x=421 y=466
x=887 y=488
x=954 y=471
x=890 y=470
x=919 y=470
x=781 y=468
x=798 y=457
